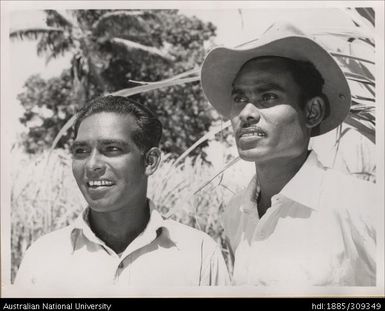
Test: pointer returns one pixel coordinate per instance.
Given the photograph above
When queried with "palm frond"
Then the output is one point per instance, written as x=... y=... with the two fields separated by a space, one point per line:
x=114 y=14
x=131 y=45
x=33 y=33
x=61 y=18
x=359 y=78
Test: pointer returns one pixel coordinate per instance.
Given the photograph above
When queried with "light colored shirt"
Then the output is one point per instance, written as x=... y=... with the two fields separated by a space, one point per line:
x=318 y=231
x=166 y=253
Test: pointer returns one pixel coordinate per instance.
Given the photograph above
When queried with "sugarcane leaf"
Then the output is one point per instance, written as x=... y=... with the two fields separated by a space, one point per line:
x=153 y=86
x=220 y=171
x=359 y=78
x=207 y=136
x=367 y=13
x=62 y=131
x=192 y=72
x=336 y=54
x=360 y=126
x=350 y=36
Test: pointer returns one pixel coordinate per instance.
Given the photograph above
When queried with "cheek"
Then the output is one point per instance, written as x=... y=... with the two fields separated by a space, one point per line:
x=288 y=127
x=77 y=169
x=129 y=170
x=287 y=120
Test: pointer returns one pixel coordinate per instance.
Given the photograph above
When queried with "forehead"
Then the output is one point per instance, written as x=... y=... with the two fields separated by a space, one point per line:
x=266 y=69
x=107 y=125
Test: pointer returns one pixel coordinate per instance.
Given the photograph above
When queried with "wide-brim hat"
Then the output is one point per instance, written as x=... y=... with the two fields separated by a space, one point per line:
x=221 y=66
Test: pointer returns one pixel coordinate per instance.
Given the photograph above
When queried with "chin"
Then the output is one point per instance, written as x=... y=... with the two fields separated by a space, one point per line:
x=251 y=155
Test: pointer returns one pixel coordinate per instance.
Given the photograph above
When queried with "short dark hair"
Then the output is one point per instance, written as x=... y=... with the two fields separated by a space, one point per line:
x=149 y=130
x=307 y=77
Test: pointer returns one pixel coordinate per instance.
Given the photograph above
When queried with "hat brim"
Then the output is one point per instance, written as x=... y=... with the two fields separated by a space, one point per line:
x=221 y=66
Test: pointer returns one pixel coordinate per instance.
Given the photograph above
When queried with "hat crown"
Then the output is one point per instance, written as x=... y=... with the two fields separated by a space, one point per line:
x=275 y=32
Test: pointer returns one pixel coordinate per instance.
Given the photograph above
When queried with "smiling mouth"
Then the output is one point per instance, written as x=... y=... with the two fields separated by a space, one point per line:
x=251 y=132
x=94 y=184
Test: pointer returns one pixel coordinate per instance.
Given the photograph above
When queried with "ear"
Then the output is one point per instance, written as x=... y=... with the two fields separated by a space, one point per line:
x=314 y=111
x=152 y=160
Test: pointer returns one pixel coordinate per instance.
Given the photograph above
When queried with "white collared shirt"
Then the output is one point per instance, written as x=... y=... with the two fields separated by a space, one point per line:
x=317 y=231
x=166 y=253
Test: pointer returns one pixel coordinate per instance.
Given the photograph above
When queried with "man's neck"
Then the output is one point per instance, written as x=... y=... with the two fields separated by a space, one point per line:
x=119 y=228
x=273 y=177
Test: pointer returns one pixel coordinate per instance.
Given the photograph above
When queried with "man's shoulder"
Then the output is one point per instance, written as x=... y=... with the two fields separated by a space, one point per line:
x=350 y=196
x=186 y=235
x=59 y=238
x=348 y=185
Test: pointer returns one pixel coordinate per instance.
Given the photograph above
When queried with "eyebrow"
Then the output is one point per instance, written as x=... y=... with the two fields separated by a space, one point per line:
x=81 y=143
x=261 y=87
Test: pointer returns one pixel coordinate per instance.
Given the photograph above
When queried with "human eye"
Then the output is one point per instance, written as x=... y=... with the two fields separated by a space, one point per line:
x=269 y=97
x=239 y=99
x=79 y=151
x=112 y=150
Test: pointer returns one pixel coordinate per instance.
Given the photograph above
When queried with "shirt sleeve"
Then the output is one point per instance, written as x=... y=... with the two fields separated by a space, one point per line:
x=358 y=226
x=25 y=276
x=363 y=233
x=231 y=222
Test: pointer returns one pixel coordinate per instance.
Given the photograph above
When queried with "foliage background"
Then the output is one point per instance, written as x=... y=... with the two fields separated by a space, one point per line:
x=110 y=51
x=44 y=195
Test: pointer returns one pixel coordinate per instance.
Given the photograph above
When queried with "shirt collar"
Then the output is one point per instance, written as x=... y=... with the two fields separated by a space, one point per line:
x=249 y=197
x=304 y=187
x=151 y=232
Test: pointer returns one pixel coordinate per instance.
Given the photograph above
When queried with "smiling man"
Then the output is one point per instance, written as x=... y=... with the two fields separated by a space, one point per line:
x=120 y=239
x=298 y=223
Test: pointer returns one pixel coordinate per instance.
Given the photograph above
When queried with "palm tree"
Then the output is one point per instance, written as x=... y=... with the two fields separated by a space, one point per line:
x=85 y=34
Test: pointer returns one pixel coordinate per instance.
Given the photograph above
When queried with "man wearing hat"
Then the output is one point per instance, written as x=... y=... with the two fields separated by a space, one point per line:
x=297 y=223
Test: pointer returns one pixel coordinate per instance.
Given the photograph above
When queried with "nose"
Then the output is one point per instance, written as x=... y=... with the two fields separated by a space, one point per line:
x=95 y=166
x=249 y=114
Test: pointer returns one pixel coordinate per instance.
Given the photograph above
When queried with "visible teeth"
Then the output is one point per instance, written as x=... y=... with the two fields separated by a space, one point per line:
x=253 y=134
x=99 y=183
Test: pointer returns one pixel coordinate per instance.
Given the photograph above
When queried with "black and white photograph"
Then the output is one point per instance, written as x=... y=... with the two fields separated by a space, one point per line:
x=192 y=149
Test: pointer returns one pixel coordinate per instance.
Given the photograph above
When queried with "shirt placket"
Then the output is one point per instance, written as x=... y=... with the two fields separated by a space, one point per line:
x=118 y=263
x=123 y=265
x=262 y=227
